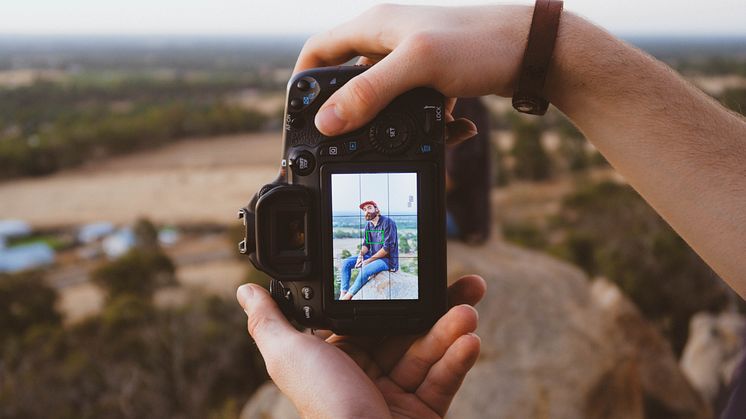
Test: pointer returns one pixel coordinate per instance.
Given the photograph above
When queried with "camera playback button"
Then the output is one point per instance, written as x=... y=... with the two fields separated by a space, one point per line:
x=332 y=150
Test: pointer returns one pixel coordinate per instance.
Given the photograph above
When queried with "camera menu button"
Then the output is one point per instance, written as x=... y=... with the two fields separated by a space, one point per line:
x=307 y=292
x=307 y=312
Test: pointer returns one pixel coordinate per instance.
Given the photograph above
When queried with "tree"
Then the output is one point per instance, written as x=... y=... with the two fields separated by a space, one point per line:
x=572 y=146
x=404 y=245
x=531 y=161
x=610 y=231
x=735 y=99
x=146 y=235
x=25 y=301
x=139 y=272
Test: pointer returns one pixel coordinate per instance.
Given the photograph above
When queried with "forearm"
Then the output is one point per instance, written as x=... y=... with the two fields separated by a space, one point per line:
x=379 y=255
x=683 y=152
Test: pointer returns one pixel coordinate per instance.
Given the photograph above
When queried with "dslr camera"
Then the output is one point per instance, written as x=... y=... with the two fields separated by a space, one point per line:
x=353 y=229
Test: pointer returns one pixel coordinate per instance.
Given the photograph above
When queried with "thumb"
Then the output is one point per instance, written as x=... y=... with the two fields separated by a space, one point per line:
x=266 y=323
x=360 y=99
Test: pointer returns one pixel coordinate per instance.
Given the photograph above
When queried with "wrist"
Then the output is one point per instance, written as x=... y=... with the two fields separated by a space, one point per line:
x=563 y=82
x=586 y=62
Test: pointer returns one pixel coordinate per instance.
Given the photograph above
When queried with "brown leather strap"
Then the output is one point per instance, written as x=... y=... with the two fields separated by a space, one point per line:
x=529 y=94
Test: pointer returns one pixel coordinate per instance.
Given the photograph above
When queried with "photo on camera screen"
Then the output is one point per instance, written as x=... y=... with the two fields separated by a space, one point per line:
x=375 y=240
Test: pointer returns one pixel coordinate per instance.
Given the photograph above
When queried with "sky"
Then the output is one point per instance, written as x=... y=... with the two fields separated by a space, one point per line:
x=277 y=17
x=394 y=193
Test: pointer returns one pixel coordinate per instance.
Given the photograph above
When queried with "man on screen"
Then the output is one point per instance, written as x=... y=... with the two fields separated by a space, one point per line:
x=379 y=251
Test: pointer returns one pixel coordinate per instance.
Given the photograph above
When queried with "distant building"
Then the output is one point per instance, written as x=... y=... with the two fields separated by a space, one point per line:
x=90 y=233
x=14 y=228
x=119 y=243
x=25 y=256
x=168 y=236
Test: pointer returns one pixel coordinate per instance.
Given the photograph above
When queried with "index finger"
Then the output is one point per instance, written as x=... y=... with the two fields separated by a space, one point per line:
x=370 y=34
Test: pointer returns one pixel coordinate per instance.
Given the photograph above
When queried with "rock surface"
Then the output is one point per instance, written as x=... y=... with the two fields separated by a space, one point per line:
x=713 y=352
x=554 y=345
x=389 y=286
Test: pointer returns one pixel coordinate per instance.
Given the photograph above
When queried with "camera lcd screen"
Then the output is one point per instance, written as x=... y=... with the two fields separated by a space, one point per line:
x=375 y=236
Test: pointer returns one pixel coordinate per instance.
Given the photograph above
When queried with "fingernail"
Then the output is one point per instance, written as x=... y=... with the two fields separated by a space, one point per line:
x=244 y=294
x=328 y=120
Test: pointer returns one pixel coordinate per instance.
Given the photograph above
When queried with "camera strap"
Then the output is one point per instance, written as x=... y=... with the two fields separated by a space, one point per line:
x=529 y=94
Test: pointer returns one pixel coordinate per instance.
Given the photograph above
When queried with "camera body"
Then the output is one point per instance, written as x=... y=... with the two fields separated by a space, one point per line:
x=353 y=229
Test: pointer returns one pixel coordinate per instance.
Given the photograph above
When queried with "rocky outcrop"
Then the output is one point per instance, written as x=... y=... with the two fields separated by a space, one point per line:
x=389 y=286
x=554 y=345
x=713 y=352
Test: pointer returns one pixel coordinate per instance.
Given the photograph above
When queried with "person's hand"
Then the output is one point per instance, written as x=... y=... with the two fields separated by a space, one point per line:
x=460 y=51
x=359 y=262
x=368 y=377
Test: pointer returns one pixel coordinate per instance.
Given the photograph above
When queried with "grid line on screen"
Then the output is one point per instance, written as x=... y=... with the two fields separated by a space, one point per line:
x=345 y=208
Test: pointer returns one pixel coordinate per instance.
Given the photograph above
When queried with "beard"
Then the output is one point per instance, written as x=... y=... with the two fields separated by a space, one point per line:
x=371 y=215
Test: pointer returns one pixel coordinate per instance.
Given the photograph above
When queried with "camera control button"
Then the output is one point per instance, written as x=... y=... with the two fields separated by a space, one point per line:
x=303 y=164
x=425 y=148
x=294 y=122
x=433 y=114
x=296 y=103
x=307 y=292
x=351 y=146
x=332 y=150
x=393 y=132
x=307 y=312
x=390 y=135
x=303 y=84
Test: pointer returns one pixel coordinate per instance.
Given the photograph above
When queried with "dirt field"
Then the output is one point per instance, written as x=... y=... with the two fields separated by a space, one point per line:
x=188 y=182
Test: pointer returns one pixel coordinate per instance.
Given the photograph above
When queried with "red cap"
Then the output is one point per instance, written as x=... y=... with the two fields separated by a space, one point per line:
x=362 y=206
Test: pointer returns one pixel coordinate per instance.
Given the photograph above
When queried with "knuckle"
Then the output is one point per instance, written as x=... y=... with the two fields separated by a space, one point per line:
x=423 y=44
x=426 y=51
x=257 y=324
x=382 y=10
x=311 y=42
x=362 y=93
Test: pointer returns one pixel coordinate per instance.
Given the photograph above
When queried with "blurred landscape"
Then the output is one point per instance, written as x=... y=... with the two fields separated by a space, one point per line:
x=123 y=161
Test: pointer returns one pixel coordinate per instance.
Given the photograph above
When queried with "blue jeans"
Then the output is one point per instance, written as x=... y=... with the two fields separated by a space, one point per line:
x=368 y=270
